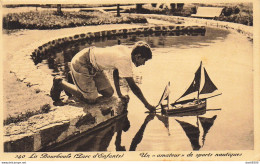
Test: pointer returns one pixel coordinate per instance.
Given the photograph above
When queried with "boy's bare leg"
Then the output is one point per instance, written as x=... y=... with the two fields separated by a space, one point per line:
x=72 y=89
x=60 y=84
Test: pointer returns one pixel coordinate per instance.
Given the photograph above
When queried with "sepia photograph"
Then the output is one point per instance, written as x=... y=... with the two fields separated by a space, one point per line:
x=123 y=81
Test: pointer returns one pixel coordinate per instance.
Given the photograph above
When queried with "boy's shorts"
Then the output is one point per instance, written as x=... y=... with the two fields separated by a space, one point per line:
x=89 y=85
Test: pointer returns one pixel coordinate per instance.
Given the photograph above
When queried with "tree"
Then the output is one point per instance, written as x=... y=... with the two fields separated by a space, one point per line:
x=180 y=6
x=154 y=4
x=173 y=6
x=118 y=10
x=139 y=7
x=59 y=12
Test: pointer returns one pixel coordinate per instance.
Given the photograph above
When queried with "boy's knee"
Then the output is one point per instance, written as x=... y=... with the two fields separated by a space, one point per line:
x=90 y=98
x=107 y=92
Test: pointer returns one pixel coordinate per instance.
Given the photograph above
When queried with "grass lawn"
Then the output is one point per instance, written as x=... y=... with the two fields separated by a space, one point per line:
x=22 y=101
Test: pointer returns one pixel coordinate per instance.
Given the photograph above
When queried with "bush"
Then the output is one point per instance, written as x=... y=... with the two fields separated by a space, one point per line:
x=147 y=11
x=50 y=20
x=163 y=11
x=184 y=13
x=227 y=11
x=241 y=18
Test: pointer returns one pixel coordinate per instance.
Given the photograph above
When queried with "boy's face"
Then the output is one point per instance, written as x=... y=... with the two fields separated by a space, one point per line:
x=139 y=60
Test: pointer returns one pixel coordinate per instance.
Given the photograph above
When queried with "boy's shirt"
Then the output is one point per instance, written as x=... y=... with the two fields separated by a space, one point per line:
x=119 y=59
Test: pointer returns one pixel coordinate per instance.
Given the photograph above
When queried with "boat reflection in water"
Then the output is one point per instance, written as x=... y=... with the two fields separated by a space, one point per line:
x=193 y=132
x=101 y=137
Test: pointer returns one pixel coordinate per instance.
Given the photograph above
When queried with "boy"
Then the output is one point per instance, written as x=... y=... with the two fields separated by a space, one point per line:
x=87 y=71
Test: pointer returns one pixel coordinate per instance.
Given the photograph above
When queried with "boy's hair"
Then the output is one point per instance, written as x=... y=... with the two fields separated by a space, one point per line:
x=142 y=48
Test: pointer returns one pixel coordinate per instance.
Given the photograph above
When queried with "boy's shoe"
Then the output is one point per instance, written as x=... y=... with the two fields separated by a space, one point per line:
x=56 y=88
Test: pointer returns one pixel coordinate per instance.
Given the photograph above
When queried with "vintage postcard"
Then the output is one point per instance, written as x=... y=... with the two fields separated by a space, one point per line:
x=130 y=81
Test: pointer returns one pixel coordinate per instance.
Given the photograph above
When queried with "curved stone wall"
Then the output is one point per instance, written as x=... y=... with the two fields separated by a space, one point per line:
x=39 y=52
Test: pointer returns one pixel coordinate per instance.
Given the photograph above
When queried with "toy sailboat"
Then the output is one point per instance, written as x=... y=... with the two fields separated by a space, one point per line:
x=196 y=106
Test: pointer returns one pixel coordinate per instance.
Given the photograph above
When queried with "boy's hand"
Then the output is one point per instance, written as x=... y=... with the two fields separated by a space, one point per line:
x=151 y=108
x=150 y=117
x=124 y=98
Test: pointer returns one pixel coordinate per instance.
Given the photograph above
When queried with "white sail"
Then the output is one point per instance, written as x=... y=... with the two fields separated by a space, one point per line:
x=165 y=95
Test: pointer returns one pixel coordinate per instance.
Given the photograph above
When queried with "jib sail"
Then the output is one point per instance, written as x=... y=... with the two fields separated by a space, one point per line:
x=209 y=86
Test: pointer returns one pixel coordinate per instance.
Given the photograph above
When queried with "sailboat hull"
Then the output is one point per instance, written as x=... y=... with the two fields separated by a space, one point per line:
x=190 y=108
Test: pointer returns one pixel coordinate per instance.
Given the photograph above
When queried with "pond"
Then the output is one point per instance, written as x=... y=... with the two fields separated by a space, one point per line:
x=228 y=58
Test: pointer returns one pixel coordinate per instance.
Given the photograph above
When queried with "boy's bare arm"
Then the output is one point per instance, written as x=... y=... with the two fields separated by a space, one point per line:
x=137 y=91
x=116 y=82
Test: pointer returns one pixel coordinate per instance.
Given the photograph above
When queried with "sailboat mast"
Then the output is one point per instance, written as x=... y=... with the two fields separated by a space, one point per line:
x=198 y=97
x=197 y=121
x=199 y=82
x=168 y=102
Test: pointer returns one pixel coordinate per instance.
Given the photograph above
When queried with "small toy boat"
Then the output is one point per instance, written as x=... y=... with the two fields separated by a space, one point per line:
x=196 y=106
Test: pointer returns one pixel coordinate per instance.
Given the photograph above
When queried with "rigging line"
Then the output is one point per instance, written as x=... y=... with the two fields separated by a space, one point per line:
x=213 y=109
x=213 y=96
